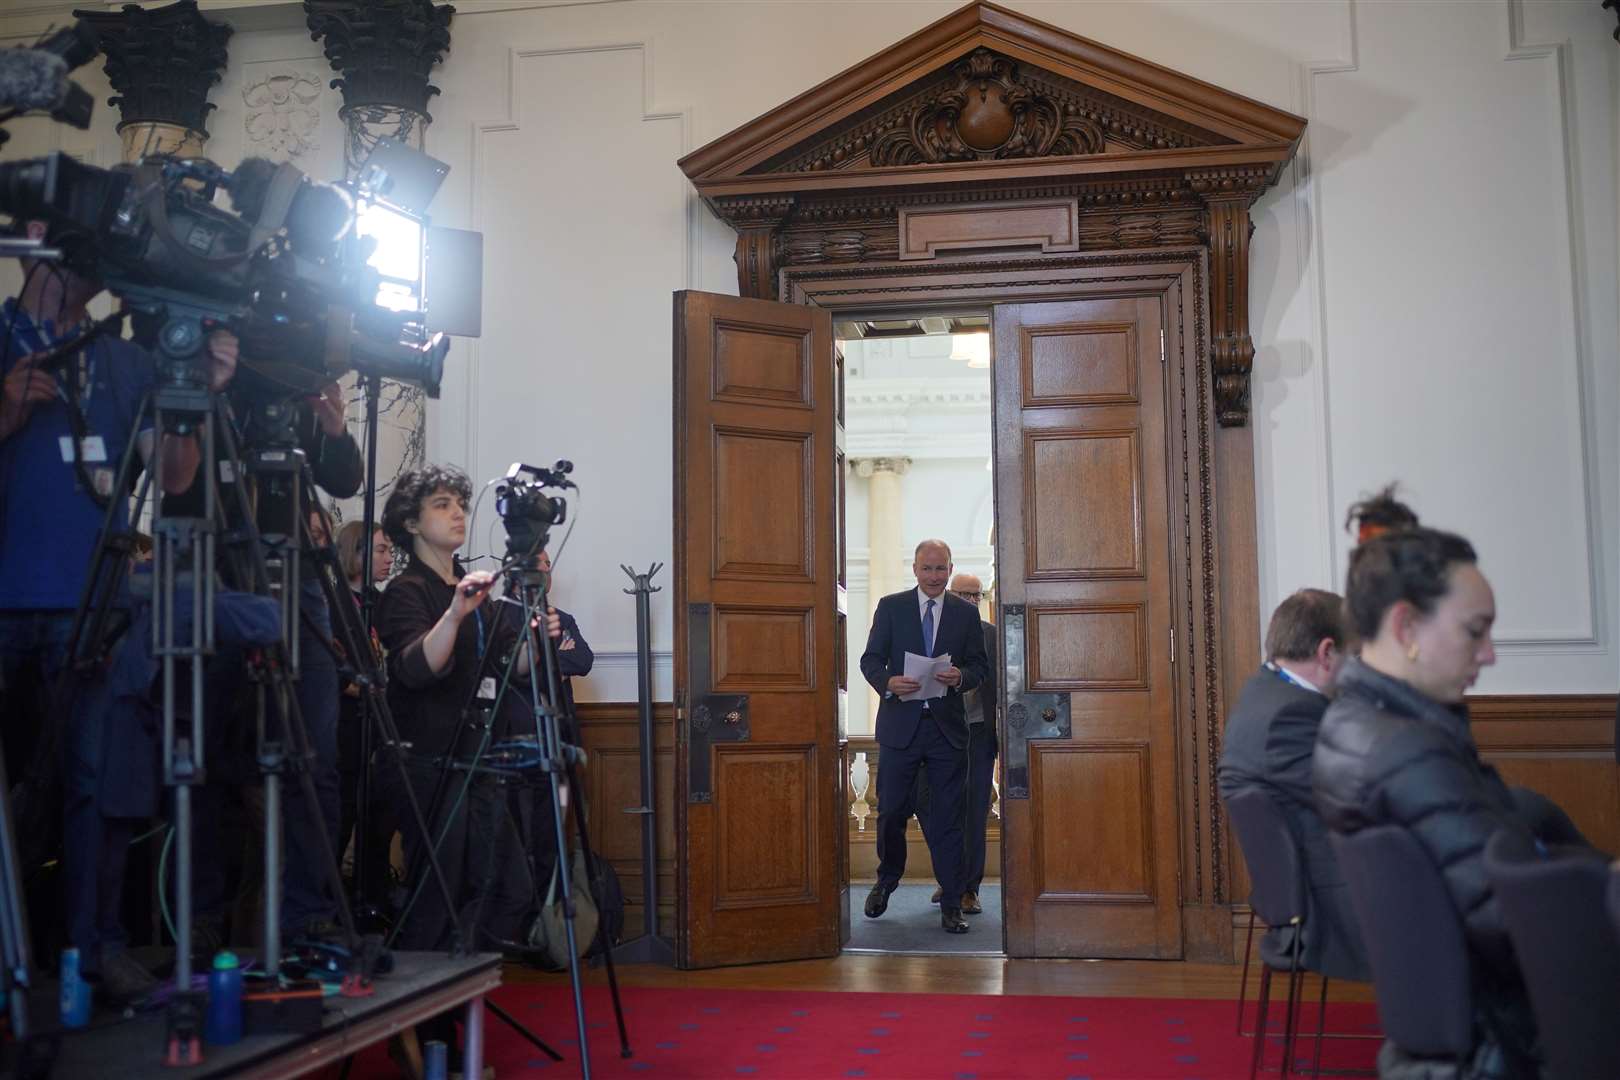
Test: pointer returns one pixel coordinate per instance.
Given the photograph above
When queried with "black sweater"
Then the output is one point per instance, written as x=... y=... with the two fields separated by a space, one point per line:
x=427 y=705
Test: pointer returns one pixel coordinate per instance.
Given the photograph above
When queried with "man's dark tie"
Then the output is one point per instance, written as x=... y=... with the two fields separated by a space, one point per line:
x=928 y=628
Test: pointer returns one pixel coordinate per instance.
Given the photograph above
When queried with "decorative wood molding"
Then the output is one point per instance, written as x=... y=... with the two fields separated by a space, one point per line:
x=995 y=132
x=1200 y=625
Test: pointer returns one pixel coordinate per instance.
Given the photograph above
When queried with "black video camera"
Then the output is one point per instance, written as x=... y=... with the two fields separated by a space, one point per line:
x=526 y=510
x=286 y=272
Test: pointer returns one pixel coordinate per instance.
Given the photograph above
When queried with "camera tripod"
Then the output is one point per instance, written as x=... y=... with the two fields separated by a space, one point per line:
x=185 y=554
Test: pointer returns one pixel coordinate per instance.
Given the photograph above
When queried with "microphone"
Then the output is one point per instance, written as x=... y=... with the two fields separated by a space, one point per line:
x=37 y=79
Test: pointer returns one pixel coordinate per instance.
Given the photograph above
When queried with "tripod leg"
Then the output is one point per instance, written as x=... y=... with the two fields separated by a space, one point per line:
x=511 y=1021
x=565 y=882
x=607 y=949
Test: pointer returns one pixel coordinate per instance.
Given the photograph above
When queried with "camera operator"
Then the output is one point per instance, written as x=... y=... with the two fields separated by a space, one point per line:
x=308 y=906
x=446 y=653
x=62 y=436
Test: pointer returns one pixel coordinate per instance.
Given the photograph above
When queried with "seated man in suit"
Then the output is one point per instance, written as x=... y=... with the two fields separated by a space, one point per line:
x=931 y=734
x=1270 y=737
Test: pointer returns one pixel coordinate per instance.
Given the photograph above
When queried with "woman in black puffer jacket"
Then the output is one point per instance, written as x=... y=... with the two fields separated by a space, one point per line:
x=1395 y=749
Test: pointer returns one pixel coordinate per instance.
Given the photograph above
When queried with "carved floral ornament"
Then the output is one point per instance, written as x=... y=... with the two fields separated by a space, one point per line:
x=283 y=112
x=987 y=113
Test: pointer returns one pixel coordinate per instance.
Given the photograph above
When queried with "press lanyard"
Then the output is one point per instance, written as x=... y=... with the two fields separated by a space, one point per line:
x=31 y=338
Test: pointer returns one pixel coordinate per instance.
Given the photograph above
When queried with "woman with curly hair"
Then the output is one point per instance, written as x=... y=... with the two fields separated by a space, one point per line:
x=447 y=647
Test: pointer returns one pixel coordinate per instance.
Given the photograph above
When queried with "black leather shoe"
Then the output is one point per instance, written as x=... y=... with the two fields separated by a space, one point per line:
x=935 y=898
x=951 y=919
x=877 y=901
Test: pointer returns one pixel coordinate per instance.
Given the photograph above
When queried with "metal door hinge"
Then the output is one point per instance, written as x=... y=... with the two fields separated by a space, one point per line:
x=1172 y=644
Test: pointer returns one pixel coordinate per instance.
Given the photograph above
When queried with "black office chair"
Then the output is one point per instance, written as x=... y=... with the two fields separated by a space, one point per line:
x=1567 y=946
x=1614 y=896
x=1272 y=853
x=1414 y=940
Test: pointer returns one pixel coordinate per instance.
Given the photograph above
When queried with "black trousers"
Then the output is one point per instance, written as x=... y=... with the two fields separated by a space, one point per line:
x=946 y=766
x=480 y=855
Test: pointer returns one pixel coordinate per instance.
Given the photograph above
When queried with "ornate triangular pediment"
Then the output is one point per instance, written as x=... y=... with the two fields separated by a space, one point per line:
x=986 y=106
x=989 y=135
x=986 y=85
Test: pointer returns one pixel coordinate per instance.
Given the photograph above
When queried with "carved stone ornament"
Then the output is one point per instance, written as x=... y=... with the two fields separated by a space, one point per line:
x=384 y=49
x=161 y=61
x=284 y=113
x=987 y=113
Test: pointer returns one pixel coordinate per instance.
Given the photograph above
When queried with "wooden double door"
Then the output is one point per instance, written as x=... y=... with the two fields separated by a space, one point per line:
x=1085 y=556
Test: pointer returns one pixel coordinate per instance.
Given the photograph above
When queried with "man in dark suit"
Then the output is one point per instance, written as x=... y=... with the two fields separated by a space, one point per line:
x=1270 y=737
x=982 y=746
x=932 y=734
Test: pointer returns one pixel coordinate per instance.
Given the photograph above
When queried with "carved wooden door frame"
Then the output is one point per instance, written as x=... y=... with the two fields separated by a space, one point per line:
x=1214 y=531
x=991 y=157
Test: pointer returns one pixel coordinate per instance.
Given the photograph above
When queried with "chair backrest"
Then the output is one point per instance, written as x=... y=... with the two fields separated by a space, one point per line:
x=1567 y=946
x=1414 y=940
x=1614 y=896
x=1272 y=854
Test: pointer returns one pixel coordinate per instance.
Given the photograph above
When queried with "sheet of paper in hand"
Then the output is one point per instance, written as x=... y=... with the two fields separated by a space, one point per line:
x=926 y=670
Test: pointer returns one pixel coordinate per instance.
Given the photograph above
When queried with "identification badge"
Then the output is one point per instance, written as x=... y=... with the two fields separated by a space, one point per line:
x=102 y=480
x=91 y=448
x=486 y=688
x=227 y=472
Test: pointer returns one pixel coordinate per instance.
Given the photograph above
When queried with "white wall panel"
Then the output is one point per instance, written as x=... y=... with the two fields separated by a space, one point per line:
x=1434 y=280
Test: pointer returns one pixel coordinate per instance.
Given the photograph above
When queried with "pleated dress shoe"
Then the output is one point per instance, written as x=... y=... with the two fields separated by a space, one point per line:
x=951 y=919
x=877 y=901
x=971 y=905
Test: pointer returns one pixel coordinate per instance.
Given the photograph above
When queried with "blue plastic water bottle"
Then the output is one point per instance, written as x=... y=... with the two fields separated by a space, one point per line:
x=223 y=1024
x=75 y=991
x=435 y=1061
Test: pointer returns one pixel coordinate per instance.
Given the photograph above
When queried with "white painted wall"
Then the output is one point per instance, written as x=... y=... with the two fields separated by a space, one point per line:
x=1434 y=281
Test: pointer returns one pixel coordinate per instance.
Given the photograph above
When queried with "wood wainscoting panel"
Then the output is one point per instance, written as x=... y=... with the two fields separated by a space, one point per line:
x=1561 y=746
x=763 y=502
x=611 y=735
x=754 y=364
x=1050 y=225
x=1090 y=478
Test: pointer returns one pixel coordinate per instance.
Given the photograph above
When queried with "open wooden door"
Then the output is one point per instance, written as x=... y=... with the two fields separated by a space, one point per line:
x=758 y=792
x=1089 y=796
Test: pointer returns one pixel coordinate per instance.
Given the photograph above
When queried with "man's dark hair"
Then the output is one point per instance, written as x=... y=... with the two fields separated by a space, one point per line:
x=1412 y=565
x=1301 y=622
x=1378 y=514
x=410 y=490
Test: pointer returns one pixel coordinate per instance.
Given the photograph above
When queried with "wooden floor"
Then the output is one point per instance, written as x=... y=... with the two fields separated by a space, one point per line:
x=957 y=975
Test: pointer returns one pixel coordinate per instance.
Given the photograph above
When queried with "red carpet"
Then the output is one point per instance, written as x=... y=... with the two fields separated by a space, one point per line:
x=812 y=1035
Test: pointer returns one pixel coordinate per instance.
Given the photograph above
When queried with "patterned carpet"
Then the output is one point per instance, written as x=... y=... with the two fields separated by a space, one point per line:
x=680 y=1034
